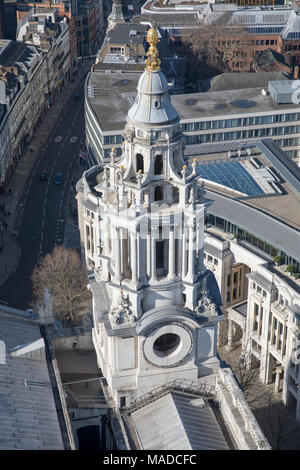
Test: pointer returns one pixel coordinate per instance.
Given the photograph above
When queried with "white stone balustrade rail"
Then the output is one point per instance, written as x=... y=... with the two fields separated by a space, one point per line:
x=251 y=426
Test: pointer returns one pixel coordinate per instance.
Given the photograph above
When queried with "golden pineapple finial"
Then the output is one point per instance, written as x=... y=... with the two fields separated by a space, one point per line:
x=153 y=61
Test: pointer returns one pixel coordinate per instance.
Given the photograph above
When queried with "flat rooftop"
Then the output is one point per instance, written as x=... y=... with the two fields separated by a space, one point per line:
x=180 y=19
x=115 y=92
x=226 y=103
x=282 y=203
x=28 y=416
x=122 y=33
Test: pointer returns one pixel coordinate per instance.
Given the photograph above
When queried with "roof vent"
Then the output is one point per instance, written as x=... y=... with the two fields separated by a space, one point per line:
x=34 y=383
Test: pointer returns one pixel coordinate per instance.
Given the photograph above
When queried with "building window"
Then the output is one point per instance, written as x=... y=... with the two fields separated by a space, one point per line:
x=158 y=165
x=175 y=195
x=160 y=254
x=122 y=402
x=158 y=193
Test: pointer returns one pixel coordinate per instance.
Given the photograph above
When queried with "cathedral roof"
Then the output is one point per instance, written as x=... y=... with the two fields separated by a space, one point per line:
x=152 y=104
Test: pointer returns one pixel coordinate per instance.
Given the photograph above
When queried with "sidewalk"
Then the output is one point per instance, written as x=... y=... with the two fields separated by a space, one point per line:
x=10 y=254
x=72 y=235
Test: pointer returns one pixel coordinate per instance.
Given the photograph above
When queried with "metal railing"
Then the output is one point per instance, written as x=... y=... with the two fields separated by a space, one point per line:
x=191 y=388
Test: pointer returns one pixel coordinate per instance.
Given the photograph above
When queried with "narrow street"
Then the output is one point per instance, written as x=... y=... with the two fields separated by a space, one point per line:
x=41 y=210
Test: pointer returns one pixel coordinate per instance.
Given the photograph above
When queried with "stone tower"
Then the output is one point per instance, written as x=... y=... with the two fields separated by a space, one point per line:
x=142 y=226
x=119 y=13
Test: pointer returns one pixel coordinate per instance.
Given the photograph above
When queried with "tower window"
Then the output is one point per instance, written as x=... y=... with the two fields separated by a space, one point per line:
x=166 y=344
x=160 y=254
x=175 y=195
x=158 y=193
x=158 y=165
x=122 y=402
x=139 y=162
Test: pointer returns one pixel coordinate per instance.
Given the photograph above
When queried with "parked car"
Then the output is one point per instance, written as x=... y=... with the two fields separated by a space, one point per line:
x=43 y=176
x=58 y=178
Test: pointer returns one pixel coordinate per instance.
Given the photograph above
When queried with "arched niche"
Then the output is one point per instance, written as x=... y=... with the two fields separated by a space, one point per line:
x=139 y=162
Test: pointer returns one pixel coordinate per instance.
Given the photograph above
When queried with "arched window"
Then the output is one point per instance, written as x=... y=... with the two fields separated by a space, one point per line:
x=158 y=193
x=139 y=162
x=158 y=165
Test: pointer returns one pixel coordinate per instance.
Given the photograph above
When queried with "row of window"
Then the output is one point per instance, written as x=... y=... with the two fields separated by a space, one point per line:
x=263 y=245
x=265 y=29
x=112 y=139
x=235 y=135
x=240 y=122
x=267 y=42
x=210 y=259
x=292 y=47
x=258 y=289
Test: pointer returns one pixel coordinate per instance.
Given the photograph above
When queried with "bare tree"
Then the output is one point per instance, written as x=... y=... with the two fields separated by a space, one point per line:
x=279 y=426
x=63 y=273
x=247 y=375
x=217 y=46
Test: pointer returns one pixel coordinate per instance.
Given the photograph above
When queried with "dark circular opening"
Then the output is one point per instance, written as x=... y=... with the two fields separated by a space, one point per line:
x=166 y=344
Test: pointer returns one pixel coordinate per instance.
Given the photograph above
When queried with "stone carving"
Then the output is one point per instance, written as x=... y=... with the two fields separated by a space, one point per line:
x=205 y=306
x=122 y=313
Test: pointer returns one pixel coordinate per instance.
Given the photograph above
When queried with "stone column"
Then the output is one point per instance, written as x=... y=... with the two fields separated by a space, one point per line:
x=191 y=266
x=178 y=234
x=133 y=256
x=277 y=381
x=116 y=253
x=184 y=254
x=200 y=247
x=148 y=249
x=230 y=345
x=153 y=256
x=171 y=273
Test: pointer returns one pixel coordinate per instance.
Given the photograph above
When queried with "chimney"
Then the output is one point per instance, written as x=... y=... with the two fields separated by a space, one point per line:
x=296 y=72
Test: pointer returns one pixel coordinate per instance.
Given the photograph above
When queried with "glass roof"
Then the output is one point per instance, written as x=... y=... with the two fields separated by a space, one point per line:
x=232 y=175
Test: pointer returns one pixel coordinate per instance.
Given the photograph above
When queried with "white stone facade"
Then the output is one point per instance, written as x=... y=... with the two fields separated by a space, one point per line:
x=23 y=101
x=270 y=321
x=153 y=318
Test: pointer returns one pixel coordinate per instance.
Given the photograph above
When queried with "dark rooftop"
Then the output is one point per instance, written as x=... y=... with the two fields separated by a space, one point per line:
x=13 y=52
x=122 y=33
x=241 y=80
